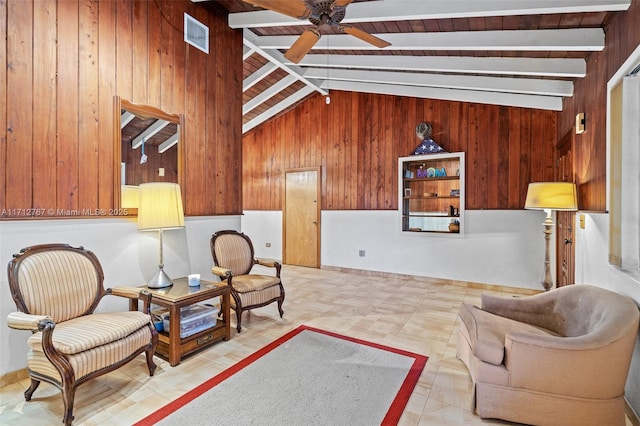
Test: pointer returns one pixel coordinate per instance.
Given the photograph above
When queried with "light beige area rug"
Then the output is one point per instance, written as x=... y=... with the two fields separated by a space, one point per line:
x=306 y=377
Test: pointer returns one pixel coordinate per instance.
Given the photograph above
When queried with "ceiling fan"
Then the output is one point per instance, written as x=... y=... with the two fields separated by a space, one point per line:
x=321 y=13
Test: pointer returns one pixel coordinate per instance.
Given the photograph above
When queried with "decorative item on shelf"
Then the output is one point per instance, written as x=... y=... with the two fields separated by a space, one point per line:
x=160 y=209
x=431 y=195
x=427 y=145
x=550 y=196
x=454 y=226
x=157 y=322
x=407 y=192
x=408 y=174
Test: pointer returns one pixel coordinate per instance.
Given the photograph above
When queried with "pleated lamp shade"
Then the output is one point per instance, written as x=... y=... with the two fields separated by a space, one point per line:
x=160 y=206
x=129 y=196
x=551 y=196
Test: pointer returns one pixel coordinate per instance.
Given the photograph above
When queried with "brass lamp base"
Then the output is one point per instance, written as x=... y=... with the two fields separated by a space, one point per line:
x=548 y=224
x=161 y=279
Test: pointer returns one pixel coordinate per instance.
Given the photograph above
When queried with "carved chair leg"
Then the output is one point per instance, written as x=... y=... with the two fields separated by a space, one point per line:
x=68 y=395
x=238 y=319
x=280 y=301
x=150 y=364
x=32 y=388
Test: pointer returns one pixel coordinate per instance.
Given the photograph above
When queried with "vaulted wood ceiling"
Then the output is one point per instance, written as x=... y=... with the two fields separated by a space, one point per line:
x=524 y=53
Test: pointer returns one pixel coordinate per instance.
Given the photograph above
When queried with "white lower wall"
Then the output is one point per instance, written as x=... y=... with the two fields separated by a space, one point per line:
x=264 y=227
x=592 y=267
x=128 y=258
x=503 y=247
x=499 y=247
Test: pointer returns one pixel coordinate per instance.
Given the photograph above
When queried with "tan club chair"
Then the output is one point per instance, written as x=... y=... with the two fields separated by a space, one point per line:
x=56 y=288
x=556 y=358
x=233 y=258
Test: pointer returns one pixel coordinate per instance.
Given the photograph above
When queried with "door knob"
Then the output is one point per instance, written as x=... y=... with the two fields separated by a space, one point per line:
x=568 y=241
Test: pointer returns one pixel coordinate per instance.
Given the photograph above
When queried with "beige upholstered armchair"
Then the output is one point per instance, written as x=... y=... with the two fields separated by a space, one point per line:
x=56 y=288
x=556 y=358
x=233 y=258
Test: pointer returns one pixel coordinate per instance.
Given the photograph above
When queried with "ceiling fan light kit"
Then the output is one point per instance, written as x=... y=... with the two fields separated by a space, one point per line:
x=323 y=14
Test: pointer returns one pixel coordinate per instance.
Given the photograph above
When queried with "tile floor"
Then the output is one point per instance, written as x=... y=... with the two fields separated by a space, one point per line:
x=415 y=314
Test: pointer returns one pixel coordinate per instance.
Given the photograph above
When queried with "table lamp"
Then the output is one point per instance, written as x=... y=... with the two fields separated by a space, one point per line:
x=550 y=196
x=160 y=209
x=129 y=196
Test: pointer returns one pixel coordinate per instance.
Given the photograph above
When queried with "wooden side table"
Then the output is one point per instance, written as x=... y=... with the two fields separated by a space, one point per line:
x=170 y=345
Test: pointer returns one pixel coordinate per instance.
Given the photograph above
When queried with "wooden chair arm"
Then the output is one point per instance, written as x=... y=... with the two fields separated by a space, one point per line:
x=43 y=323
x=270 y=263
x=266 y=262
x=223 y=273
x=133 y=293
x=22 y=321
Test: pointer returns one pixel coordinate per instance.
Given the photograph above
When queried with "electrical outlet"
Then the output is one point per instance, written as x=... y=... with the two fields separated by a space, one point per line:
x=161 y=171
x=361 y=253
x=268 y=244
x=582 y=221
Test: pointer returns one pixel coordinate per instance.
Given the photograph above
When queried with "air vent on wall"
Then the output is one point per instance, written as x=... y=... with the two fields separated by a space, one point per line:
x=196 y=33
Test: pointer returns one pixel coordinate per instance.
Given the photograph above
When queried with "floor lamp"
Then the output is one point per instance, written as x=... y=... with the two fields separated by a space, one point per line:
x=160 y=209
x=550 y=196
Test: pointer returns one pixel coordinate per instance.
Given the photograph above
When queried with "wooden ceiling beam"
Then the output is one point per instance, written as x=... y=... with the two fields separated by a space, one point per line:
x=553 y=103
x=561 y=40
x=168 y=143
x=401 y=10
x=544 y=67
x=268 y=94
x=531 y=86
x=258 y=76
x=253 y=42
x=149 y=132
x=277 y=108
x=125 y=118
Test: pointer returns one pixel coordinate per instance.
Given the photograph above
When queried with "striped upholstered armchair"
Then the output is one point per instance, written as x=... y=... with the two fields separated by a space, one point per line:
x=233 y=258
x=56 y=289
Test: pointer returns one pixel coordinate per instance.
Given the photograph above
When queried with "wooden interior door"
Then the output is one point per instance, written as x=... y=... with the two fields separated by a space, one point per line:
x=565 y=234
x=565 y=266
x=301 y=217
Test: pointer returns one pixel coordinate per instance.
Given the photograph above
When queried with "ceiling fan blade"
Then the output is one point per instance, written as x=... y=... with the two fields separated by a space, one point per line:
x=342 y=3
x=303 y=45
x=364 y=36
x=294 y=8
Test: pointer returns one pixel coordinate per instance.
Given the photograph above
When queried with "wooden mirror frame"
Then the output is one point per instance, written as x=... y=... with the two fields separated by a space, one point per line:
x=143 y=111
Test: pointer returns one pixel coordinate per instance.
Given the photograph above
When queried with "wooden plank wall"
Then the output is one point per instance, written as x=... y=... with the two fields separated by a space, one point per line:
x=67 y=59
x=590 y=96
x=137 y=173
x=358 y=138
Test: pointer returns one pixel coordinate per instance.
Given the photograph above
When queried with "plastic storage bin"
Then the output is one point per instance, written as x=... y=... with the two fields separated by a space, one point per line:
x=193 y=319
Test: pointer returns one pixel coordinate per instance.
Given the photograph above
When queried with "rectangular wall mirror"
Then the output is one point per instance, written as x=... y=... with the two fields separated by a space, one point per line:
x=148 y=147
